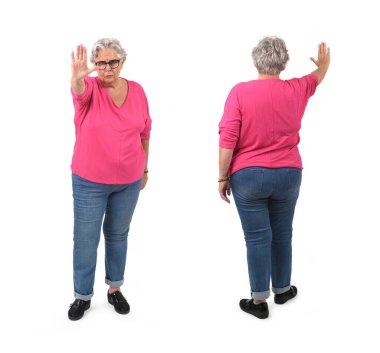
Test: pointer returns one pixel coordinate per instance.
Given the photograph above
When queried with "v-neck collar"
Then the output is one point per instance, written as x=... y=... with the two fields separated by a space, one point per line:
x=109 y=96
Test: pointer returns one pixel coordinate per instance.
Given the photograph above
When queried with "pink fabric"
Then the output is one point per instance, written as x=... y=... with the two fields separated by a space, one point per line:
x=108 y=145
x=261 y=122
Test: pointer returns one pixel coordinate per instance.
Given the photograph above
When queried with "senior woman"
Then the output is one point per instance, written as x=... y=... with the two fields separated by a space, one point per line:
x=260 y=162
x=109 y=167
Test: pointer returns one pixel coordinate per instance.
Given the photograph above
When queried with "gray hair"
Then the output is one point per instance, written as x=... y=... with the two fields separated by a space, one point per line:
x=104 y=43
x=270 y=55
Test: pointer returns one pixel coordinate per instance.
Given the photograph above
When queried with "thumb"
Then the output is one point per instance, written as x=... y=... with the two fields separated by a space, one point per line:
x=314 y=61
x=92 y=69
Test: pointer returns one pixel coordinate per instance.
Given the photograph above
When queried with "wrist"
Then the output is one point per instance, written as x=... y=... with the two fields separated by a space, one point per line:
x=223 y=179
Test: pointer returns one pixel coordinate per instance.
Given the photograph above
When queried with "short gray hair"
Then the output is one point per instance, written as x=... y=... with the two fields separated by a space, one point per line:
x=270 y=55
x=104 y=43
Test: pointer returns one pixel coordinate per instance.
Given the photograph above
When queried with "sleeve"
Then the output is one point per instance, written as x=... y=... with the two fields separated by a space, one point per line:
x=229 y=126
x=305 y=86
x=145 y=134
x=81 y=101
x=308 y=84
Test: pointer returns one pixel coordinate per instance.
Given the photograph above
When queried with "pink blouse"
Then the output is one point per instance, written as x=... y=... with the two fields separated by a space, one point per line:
x=261 y=122
x=108 y=145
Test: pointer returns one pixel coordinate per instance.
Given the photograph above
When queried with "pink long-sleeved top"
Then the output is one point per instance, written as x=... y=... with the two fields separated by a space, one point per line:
x=108 y=147
x=261 y=122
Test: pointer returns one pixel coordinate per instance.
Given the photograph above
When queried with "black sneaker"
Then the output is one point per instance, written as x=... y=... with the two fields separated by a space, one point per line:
x=284 y=297
x=259 y=310
x=78 y=308
x=119 y=302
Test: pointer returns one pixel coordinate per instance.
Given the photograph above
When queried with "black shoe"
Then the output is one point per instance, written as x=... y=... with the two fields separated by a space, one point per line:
x=284 y=297
x=78 y=308
x=259 y=310
x=119 y=302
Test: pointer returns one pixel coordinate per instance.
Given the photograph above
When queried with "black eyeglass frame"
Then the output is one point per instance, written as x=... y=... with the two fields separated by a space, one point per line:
x=102 y=65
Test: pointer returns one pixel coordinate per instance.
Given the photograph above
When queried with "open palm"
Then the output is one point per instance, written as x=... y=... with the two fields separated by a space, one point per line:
x=79 y=68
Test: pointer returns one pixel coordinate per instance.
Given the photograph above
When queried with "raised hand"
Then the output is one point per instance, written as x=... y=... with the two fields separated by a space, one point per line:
x=79 y=68
x=322 y=62
x=323 y=55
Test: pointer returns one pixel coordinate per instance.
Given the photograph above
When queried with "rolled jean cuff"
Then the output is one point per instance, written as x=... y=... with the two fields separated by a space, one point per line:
x=83 y=297
x=260 y=295
x=114 y=284
x=280 y=290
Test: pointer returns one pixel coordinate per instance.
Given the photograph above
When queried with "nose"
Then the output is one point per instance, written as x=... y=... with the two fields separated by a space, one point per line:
x=108 y=67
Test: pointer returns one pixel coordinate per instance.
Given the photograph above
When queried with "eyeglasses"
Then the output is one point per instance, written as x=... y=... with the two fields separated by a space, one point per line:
x=103 y=64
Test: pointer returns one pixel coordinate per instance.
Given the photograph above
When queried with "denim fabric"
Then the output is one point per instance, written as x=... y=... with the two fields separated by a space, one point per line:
x=92 y=203
x=266 y=199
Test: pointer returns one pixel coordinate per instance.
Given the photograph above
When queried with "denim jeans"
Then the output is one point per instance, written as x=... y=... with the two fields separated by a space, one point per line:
x=266 y=199
x=92 y=203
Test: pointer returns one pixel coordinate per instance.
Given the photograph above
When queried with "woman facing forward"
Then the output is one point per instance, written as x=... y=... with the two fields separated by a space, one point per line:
x=260 y=162
x=109 y=167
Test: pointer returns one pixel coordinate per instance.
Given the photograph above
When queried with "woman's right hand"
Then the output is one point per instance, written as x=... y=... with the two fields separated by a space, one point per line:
x=79 y=69
x=322 y=62
x=323 y=55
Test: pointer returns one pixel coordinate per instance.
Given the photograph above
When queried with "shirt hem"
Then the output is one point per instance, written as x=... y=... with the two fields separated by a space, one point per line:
x=106 y=181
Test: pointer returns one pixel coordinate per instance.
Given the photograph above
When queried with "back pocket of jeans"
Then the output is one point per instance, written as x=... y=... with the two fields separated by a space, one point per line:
x=248 y=182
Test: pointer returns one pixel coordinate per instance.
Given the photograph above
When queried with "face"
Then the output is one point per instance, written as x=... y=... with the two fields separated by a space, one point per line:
x=108 y=75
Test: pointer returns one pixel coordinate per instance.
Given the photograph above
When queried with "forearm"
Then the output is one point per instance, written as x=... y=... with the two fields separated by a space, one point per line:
x=321 y=72
x=145 y=145
x=78 y=86
x=225 y=158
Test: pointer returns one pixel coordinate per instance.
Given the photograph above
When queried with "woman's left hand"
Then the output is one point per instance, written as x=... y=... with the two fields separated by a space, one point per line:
x=224 y=190
x=144 y=180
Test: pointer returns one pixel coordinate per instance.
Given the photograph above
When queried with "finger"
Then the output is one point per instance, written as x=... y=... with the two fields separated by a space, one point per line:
x=314 y=61
x=92 y=69
x=77 y=53
x=229 y=191
x=80 y=54
x=222 y=193
x=224 y=198
x=84 y=54
x=324 y=49
x=72 y=57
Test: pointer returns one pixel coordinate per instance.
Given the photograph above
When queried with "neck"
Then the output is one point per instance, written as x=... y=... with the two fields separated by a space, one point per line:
x=114 y=84
x=268 y=76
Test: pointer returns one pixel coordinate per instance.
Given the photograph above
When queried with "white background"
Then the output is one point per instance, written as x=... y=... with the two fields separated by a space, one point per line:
x=186 y=268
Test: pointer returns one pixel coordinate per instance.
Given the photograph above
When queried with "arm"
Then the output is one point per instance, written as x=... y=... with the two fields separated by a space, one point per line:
x=225 y=157
x=145 y=145
x=79 y=69
x=322 y=62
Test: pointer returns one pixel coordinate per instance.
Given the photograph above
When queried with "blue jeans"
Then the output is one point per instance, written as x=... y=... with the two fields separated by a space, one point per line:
x=92 y=203
x=266 y=199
